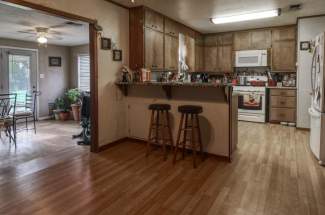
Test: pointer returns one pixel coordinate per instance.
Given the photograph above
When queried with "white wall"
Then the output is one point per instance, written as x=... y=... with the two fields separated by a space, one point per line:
x=115 y=22
x=308 y=28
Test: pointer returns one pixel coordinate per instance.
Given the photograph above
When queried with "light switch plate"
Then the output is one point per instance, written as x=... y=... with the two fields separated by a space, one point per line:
x=42 y=76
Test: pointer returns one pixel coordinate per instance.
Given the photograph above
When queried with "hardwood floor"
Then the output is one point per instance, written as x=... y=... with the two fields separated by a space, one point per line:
x=273 y=173
x=51 y=144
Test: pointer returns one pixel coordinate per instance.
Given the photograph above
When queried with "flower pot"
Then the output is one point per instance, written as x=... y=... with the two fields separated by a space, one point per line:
x=64 y=116
x=56 y=114
x=76 y=111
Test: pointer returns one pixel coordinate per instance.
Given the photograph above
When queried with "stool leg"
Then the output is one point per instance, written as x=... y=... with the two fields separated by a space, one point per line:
x=199 y=136
x=178 y=137
x=164 y=134
x=193 y=144
x=170 y=132
x=157 y=128
x=185 y=135
x=150 y=132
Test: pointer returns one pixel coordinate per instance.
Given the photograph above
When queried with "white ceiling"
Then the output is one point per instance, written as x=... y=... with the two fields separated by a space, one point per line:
x=196 y=13
x=14 y=19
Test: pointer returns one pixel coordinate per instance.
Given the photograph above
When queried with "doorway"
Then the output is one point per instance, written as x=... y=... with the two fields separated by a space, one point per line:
x=18 y=73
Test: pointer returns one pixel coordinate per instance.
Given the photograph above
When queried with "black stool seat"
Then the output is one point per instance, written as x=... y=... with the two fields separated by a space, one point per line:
x=159 y=107
x=190 y=109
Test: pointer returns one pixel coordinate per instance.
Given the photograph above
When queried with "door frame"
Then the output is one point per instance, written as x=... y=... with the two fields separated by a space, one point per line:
x=37 y=68
x=93 y=53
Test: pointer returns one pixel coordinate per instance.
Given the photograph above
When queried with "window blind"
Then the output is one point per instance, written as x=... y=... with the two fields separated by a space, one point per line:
x=84 y=72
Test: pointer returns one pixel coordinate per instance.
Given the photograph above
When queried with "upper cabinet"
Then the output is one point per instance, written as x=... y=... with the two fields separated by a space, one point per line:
x=255 y=39
x=154 y=20
x=284 y=49
x=171 y=28
x=154 y=46
x=171 y=52
x=190 y=52
x=261 y=39
x=242 y=40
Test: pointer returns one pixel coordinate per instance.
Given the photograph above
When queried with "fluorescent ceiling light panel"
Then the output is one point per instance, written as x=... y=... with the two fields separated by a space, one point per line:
x=246 y=17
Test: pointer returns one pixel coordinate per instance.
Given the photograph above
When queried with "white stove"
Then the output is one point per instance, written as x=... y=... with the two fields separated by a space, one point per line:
x=251 y=103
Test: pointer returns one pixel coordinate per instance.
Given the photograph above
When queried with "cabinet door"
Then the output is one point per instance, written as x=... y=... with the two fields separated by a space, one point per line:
x=171 y=52
x=242 y=40
x=154 y=20
x=171 y=28
x=210 y=58
x=224 y=60
x=225 y=39
x=154 y=49
x=284 y=33
x=284 y=56
x=199 y=56
x=261 y=39
x=190 y=53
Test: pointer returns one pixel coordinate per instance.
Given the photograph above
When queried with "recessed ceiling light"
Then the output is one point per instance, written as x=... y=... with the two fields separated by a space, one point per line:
x=246 y=17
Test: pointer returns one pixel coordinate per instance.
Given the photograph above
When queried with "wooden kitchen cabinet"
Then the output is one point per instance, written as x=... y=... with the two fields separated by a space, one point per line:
x=261 y=39
x=255 y=39
x=154 y=20
x=171 y=28
x=282 y=105
x=242 y=40
x=284 y=33
x=284 y=56
x=190 y=53
x=224 y=59
x=210 y=58
x=171 y=52
x=154 y=49
x=225 y=39
x=199 y=58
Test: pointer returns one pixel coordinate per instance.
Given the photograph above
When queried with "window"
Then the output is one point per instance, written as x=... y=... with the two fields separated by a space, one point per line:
x=84 y=72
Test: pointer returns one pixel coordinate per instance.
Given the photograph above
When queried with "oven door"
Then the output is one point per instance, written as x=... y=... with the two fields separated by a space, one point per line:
x=251 y=102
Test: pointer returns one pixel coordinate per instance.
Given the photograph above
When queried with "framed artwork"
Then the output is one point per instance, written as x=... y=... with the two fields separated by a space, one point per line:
x=117 y=55
x=55 y=61
x=106 y=43
x=304 y=45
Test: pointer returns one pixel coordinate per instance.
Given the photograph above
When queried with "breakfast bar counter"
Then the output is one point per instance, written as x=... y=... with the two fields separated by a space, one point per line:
x=218 y=120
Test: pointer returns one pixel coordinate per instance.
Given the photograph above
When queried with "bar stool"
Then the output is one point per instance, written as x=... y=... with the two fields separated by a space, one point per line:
x=191 y=131
x=159 y=130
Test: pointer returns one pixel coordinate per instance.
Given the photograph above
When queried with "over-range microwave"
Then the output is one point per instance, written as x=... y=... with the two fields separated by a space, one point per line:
x=251 y=58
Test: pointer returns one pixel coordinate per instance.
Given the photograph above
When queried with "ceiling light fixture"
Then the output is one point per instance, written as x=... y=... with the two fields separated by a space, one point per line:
x=246 y=17
x=42 y=39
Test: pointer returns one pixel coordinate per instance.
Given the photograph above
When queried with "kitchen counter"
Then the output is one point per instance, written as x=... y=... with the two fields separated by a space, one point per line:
x=218 y=120
x=284 y=88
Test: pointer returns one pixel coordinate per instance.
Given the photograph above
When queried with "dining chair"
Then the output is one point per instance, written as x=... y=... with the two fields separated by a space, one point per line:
x=28 y=110
x=7 y=113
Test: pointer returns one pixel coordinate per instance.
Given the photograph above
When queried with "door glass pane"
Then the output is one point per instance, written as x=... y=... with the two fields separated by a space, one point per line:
x=19 y=76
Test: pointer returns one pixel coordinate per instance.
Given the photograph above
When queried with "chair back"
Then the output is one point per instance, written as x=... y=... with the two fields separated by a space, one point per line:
x=7 y=105
x=30 y=103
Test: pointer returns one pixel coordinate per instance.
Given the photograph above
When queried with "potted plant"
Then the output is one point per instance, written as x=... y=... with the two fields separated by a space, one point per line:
x=73 y=96
x=59 y=105
x=62 y=110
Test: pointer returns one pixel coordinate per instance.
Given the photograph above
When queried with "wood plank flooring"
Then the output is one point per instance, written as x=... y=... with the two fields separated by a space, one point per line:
x=273 y=173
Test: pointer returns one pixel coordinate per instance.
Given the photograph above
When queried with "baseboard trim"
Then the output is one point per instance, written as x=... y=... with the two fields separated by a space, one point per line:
x=44 y=118
x=141 y=141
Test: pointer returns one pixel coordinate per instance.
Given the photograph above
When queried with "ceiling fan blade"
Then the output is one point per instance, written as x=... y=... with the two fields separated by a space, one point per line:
x=55 y=32
x=54 y=37
x=27 y=32
x=58 y=26
x=25 y=23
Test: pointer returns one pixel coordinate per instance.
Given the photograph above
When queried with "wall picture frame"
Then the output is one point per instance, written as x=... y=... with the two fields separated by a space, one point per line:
x=55 y=61
x=106 y=43
x=304 y=45
x=117 y=55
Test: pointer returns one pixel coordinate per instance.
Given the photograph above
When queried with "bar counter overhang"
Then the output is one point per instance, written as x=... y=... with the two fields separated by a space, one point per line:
x=218 y=121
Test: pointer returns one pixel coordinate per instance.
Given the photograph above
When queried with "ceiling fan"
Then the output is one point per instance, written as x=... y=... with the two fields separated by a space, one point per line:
x=43 y=34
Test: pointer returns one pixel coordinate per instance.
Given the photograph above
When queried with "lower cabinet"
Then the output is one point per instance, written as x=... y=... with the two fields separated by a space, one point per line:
x=282 y=105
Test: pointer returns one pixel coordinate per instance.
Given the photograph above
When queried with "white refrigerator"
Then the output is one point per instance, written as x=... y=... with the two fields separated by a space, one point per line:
x=317 y=109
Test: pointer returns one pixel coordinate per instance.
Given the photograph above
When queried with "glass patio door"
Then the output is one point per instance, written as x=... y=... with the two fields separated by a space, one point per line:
x=18 y=73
